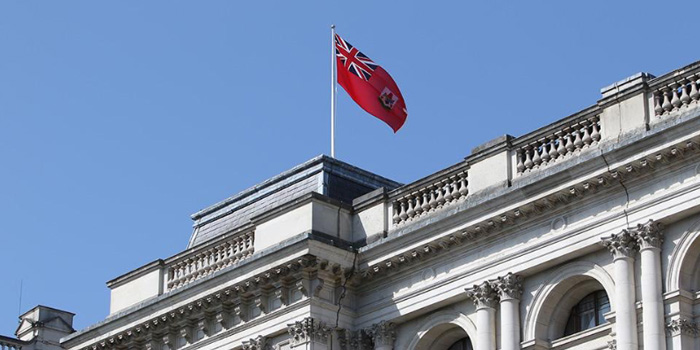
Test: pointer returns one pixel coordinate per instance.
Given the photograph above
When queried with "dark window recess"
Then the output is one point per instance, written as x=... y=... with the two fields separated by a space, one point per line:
x=462 y=344
x=588 y=313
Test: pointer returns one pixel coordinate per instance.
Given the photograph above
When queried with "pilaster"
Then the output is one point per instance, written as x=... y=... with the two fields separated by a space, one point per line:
x=383 y=334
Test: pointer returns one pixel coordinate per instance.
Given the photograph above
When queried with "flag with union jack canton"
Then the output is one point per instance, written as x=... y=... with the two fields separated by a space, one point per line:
x=369 y=85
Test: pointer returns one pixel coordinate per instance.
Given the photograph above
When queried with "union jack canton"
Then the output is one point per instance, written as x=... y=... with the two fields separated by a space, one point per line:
x=353 y=60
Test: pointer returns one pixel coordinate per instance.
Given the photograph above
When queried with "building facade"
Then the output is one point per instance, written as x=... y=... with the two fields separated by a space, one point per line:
x=583 y=234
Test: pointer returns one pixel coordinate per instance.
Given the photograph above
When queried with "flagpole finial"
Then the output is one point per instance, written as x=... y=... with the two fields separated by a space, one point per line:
x=332 y=26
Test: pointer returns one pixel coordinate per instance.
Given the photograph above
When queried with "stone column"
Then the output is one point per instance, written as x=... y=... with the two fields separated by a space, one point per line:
x=309 y=334
x=510 y=289
x=383 y=334
x=485 y=299
x=649 y=237
x=623 y=246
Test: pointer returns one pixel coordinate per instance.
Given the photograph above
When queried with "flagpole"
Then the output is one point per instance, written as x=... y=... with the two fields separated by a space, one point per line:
x=333 y=90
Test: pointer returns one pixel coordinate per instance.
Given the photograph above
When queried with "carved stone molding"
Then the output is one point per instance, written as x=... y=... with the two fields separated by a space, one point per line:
x=484 y=295
x=621 y=245
x=258 y=343
x=225 y=308
x=354 y=340
x=539 y=207
x=612 y=345
x=308 y=330
x=383 y=333
x=509 y=286
x=649 y=235
x=682 y=326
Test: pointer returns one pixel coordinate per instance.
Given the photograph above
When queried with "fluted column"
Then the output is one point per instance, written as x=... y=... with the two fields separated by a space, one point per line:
x=485 y=299
x=383 y=334
x=510 y=289
x=650 y=237
x=623 y=246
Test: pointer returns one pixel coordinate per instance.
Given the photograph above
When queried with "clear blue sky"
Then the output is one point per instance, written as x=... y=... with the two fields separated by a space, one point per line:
x=119 y=119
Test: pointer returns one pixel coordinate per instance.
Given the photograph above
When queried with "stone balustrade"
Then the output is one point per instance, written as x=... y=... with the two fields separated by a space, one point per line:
x=441 y=193
x=209 y=259
x=681 y=90
x=558 y=145
x=10 y=343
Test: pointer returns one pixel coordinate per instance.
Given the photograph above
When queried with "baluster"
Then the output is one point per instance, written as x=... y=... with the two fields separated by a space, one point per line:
x=410 y=210
x=448 y=192
x=595 y=135
x=667 y=106
x=569 y=142
x=402 y=214
x=587 y=139
x=463 y=190
x=536 y=157
x=433 y=201
x=545 y=154
x=455 y=188
x=561 y=150
x=440 y=197
x=528 y=162
x=426 y=199
x=553 y=154
x=685 y=90
x=520 y=167
x=395 y=207
x=578 y=143
x=657 y=103
x=675 y=100
x=419 y=203
x=694 y=94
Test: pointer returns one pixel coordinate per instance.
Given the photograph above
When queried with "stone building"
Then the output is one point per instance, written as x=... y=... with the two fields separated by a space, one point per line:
x=583 y=234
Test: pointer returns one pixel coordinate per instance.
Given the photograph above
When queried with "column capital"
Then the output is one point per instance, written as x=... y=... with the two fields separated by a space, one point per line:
x=682 y=326
x=484 y=295
x=354 y=340
x=649 y=235
x=621 y=245
x=308 y=330
x=509 y=286
x=383 y=334
x=258 y=343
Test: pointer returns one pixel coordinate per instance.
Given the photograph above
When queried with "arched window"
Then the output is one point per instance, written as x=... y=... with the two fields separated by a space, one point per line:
x=588 y=313
x=462 y=344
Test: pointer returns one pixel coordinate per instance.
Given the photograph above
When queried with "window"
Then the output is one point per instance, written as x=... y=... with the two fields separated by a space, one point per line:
x=462 y=344
x=588 y=313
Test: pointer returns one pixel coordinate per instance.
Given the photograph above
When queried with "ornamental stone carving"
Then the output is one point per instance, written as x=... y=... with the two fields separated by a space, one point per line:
x=509 y=286
x=612 y=345
x=258 y=343
x=354 y=340
x=649 y=235
x=621 y=245
x=484 y=295
x=308 y=330
x=682 y=326
x=383 y=334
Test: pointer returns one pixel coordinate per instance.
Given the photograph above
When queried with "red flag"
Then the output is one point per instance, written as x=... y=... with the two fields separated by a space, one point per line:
x=369 y=85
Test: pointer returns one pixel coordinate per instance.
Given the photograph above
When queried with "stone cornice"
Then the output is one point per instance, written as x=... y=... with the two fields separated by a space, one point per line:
x=538 y=207
x=222 y=306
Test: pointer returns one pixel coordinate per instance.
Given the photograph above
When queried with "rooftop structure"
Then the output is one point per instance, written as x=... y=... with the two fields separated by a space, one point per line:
x=583 y=234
